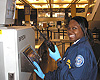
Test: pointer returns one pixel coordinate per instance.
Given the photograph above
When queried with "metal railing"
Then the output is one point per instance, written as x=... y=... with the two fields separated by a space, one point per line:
x=49 y=34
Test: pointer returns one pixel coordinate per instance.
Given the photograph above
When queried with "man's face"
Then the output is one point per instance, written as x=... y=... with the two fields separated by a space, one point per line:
x=74 y=31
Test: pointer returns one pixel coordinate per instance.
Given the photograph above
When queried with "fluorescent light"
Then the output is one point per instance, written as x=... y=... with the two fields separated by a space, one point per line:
x=81 y=5
x=55 y=6
x=20 y=6
x=65 y=5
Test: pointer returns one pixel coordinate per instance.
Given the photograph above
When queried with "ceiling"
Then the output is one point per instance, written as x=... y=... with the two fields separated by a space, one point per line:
x=53 y=5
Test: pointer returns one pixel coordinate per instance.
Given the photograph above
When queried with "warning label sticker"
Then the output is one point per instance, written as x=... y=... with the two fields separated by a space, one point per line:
x=0 y=31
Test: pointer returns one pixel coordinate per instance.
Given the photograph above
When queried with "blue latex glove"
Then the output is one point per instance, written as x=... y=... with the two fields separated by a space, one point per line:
x=55 y=55
x=39 y=71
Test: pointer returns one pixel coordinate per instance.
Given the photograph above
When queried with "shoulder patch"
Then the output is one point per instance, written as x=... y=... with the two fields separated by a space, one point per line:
x=79 y=61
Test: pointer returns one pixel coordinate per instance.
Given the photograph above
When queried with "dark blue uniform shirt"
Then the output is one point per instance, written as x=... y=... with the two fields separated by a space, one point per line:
x=78 y=63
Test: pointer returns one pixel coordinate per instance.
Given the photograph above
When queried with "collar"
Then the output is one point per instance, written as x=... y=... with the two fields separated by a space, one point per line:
x=81 y=40
x=76 y=41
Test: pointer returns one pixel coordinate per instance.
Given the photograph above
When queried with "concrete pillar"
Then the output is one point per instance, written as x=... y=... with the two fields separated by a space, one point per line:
x=27 y=15
x=16 y=17
x=27 y=18
x=90 y=2
x=73 y=10
x=16 y=14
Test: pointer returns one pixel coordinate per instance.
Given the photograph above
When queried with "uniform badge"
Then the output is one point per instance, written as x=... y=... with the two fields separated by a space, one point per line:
x=79 y=61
